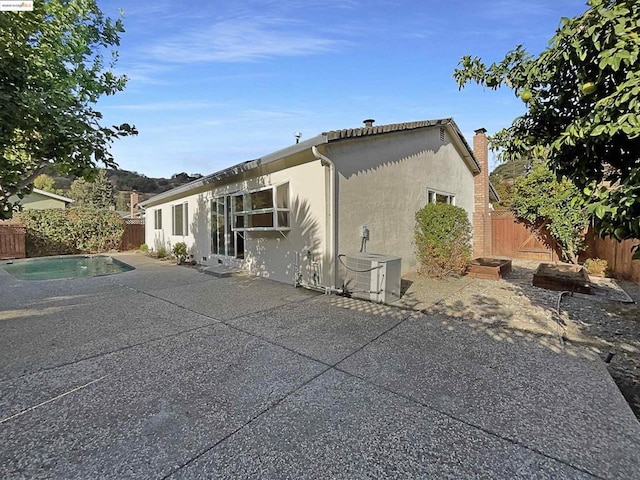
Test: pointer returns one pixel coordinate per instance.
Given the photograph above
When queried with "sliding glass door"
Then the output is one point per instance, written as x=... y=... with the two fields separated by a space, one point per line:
x=224 y=241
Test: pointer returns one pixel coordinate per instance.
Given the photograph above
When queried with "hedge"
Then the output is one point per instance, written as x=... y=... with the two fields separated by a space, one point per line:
x=73 y=230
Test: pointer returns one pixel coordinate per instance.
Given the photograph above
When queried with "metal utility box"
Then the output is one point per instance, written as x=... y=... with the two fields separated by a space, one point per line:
x=372 y=276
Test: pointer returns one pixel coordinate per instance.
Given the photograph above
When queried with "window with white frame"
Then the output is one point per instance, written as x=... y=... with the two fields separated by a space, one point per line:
x=264 y=209
x=157 y=219
x=180 y=217
x=435 y=196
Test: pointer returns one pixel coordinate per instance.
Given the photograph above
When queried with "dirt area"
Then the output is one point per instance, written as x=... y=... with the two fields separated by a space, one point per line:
x=606 y=323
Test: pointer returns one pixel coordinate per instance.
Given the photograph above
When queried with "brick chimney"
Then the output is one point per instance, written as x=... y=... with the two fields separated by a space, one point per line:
x=368 y=122
x=133 y=202
x=481 y=214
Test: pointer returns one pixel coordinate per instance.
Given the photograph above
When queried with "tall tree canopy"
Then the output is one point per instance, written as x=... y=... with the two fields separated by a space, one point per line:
x=583 y=108
x=52 y=72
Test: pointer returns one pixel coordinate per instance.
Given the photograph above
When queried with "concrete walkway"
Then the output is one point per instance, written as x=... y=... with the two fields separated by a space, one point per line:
x=163 y=372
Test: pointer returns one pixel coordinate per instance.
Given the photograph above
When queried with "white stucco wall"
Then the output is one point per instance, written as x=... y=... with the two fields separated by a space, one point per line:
x=383 y=181
x=268 y=254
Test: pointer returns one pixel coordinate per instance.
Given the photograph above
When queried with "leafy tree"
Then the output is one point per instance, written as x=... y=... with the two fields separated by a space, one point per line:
x=543 y=200
x=97 y=194
x=102 y=191
x=583 y=108
x=52 y=72
x=80 y=192
x=46 y=183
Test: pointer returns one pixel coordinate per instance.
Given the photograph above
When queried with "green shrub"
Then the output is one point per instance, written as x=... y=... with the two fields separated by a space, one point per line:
x=49 y=232
x=162 y=252
x=74 y=230
x=144 y=248
x=180 y=252
x=442 y=240
x=96 y=230
x=596 y=267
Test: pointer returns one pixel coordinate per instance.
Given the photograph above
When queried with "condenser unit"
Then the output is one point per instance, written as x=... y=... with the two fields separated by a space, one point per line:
x=372 y=276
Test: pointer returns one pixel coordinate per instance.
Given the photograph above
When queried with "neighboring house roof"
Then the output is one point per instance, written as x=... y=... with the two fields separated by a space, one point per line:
x=53 y=195
x=324 y=138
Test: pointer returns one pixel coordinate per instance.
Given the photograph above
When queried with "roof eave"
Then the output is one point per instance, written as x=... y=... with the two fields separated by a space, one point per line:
x=463 y=146
x=53 y=195
x=235 y=170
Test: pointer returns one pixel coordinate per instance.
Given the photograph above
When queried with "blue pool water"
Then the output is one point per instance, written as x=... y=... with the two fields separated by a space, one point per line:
x=74 y=266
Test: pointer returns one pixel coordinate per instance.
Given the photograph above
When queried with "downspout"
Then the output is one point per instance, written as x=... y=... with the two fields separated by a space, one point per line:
x=327 y=162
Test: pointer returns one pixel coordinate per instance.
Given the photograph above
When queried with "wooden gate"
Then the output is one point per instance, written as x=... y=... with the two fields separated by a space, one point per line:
x=12 y=241
x=517 y=240
x=133 y=235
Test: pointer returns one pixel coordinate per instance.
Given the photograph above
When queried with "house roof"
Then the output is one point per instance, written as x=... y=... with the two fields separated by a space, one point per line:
x=53 y=195
x=324 y=138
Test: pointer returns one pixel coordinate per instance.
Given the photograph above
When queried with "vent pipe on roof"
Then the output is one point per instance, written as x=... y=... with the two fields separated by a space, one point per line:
x=297 y=135
x=368 y=122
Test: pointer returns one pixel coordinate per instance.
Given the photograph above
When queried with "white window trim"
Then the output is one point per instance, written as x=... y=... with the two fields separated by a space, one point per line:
x=451 y=196
x=157 y=214
x=185 y=220
x=275 y=210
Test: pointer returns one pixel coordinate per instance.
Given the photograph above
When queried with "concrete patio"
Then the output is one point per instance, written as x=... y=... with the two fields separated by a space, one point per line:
x=164 y=372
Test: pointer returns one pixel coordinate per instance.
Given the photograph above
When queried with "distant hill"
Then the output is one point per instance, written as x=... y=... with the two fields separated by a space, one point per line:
x=124 y=182
x=508 y=171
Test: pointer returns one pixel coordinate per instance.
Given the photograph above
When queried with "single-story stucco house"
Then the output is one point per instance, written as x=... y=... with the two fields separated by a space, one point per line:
x=42 y=200
x=292 y=214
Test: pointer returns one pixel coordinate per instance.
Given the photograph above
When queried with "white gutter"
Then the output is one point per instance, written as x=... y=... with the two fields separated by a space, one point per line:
x=331 y=221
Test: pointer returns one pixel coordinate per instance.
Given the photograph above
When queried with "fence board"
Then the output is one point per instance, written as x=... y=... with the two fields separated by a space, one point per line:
x=515 y=240
x=133 y=235
x=12 y=241
x=619 y=257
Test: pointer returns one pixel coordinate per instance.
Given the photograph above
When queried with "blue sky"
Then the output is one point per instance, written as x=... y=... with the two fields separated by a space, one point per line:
x=212 y=84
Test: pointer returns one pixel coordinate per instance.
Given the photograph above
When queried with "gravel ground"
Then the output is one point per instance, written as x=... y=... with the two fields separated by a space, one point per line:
x=602 y=323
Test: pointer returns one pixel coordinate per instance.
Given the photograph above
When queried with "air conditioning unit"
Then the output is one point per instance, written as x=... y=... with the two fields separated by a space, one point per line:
x=372 y=276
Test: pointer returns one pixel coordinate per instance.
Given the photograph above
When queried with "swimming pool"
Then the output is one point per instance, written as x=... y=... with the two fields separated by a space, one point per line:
x=68 y=266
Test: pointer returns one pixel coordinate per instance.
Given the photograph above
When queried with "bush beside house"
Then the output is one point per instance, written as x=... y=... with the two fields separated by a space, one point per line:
x=442 y=240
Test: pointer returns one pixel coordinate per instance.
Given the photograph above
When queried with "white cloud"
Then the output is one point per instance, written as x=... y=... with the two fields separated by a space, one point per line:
x=520 y=11
x=164 y=106
x=241 y=40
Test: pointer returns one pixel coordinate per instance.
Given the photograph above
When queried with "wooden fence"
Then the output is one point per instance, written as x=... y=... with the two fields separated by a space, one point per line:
x=12 y=241
x=617 y=254
x=133 y=235
x=515 y=240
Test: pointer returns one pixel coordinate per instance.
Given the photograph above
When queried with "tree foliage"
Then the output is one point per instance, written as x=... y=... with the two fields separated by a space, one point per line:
x=442 y=239
x=79 y=192
x=96 y=194
x=46 y=183
x=72 y=230
x=102 y=191
x=52 y=72
x=544 y=201
x=583 y=108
